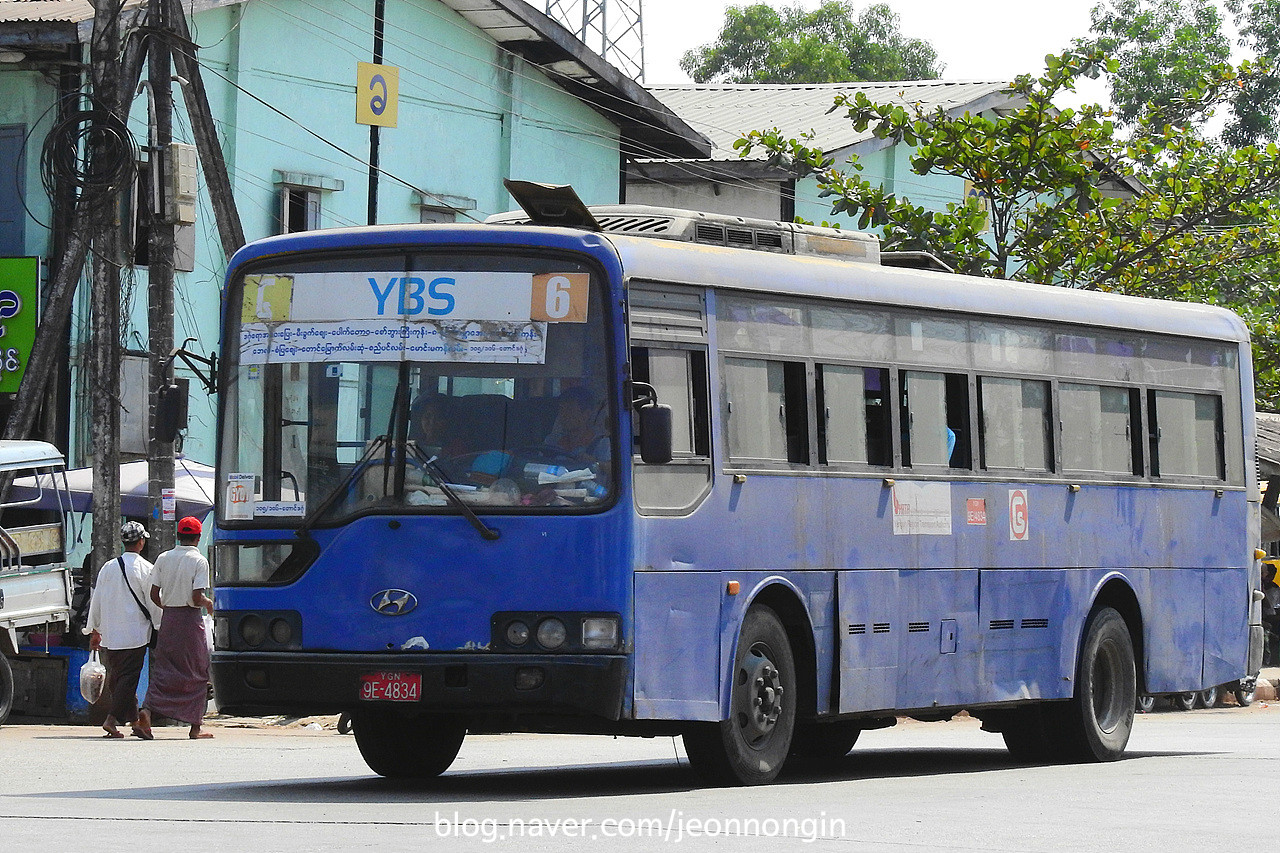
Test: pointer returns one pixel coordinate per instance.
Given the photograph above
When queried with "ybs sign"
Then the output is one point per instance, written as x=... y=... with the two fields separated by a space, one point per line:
x=19 y=289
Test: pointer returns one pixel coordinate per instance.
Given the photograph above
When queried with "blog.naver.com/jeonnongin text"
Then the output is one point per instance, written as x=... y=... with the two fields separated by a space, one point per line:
x=673 y=828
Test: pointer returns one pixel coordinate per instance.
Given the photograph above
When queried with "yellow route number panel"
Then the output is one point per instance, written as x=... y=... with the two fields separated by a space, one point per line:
x=560 y=298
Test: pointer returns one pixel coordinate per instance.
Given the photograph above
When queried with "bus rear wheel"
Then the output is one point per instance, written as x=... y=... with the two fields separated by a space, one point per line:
x=751 y=746
x=1099 y=719
x=407 y=746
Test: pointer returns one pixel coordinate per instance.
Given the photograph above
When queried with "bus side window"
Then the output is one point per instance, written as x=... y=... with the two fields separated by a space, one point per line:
x=766 y=409
x=1015 y=424
x=1186 y=434
x=680 y=378
x=853 y=415
x=1101 y=428
x=935 y=419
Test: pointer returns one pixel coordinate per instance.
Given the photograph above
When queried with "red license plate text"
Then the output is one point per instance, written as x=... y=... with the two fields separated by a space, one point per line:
x=391 y=686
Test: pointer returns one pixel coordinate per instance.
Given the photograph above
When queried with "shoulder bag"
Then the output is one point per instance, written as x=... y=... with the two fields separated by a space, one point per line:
x=151 y=644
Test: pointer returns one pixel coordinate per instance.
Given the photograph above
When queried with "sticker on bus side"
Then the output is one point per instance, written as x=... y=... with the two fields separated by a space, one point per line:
x=1019 y=516
x=922 y=509
x=240 y=497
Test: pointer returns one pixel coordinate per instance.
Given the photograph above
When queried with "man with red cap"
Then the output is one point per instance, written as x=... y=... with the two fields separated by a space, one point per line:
x=180 y=664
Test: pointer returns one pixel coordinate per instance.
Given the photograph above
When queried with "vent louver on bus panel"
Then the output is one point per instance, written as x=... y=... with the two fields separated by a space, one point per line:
x=717 y=229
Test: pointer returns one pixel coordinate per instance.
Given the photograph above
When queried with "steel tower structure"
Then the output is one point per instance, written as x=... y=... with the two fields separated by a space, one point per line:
x=612 y=28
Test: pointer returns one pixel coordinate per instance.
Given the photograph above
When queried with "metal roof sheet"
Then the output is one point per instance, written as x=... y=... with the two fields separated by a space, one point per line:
x=37 y=11
x=724 y=112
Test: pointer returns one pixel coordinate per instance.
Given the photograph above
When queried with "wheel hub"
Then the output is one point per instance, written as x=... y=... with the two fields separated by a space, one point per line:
x=760 y=699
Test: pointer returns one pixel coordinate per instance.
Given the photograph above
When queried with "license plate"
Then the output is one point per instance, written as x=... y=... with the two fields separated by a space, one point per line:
x=391 y=686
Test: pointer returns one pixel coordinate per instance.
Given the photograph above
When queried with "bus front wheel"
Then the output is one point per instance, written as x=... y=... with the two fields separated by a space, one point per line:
x=404 y=746
x=750 y=747
x=1099 y=719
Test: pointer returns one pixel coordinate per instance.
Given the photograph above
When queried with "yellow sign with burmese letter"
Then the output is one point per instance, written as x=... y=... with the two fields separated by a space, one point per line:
x=377 y=94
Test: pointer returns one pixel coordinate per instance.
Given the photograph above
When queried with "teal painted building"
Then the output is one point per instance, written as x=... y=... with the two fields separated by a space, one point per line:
x=727 y=183
x=487 y=90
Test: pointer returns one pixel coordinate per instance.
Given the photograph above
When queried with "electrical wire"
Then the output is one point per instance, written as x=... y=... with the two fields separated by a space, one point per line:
x=532 y=108
x=90 y=149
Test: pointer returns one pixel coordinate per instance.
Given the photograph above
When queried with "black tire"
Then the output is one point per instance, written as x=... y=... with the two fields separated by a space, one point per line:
x=1207 y=698
x=407 y=746
x=822 y=744
x=1245 y=690
x=1097 y=722
x=1146 y=703
x=752 y=745
x=1186 y=701
x=6 y=688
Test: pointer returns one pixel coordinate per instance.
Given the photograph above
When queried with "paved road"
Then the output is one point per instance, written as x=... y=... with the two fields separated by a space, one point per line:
x=1190 y=778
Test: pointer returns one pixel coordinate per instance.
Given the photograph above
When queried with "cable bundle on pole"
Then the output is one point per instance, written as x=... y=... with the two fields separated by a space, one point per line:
x=90 y=150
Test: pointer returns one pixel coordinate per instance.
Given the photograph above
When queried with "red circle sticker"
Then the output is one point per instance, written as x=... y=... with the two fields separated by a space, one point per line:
x=1019 y=515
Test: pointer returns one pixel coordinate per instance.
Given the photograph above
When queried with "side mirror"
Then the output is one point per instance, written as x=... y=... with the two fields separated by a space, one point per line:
x=655 y=434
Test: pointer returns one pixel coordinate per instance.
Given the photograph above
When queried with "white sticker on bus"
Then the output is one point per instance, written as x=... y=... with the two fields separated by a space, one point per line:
x=279 y=509
x=922 y=509
x=240 y=497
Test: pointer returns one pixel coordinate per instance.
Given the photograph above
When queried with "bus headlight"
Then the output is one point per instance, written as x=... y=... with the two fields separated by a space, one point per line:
x=517 y=633
x=253 y=629
x=262 y=630
x=281 y=631
x=551 y=633
x=600 y=632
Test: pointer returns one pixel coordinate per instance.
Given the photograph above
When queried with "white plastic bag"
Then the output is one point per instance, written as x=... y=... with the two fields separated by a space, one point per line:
x=208 y=629
x=93 y=677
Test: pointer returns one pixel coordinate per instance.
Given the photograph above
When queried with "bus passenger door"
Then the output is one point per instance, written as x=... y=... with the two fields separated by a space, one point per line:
x=869 y=626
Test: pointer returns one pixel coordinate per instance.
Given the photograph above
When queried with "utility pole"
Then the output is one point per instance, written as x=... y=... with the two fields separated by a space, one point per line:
x=103 y=364
x=379 y=26
x=209 y=151
x=160 y=271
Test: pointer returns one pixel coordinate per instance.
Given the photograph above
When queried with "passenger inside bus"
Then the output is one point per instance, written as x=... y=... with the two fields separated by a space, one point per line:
x=578 y=429
x=428 y=426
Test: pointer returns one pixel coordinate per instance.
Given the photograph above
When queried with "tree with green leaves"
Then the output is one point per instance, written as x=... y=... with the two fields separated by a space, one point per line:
x=1204 y=225
x=1162 y=48
x=832 y=44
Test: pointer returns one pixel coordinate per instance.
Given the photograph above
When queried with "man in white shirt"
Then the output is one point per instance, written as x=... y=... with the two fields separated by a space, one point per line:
x=121 y=616
x=180 y=666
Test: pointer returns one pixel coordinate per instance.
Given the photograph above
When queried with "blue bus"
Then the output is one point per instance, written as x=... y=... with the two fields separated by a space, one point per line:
x=638 y=471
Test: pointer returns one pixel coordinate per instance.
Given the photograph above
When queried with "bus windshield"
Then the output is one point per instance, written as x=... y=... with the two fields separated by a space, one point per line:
x=413 y=382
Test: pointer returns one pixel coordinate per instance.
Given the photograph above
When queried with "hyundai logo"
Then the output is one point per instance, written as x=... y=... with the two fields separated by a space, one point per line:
x=393 y=602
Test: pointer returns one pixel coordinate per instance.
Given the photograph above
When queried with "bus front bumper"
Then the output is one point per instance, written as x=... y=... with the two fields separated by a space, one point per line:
x=304 y=683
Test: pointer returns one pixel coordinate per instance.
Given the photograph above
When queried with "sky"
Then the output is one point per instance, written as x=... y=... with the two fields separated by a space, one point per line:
x=978 y=40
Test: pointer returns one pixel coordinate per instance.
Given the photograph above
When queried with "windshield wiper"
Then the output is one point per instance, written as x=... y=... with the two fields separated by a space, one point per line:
x=442 y=480
x=377 y=445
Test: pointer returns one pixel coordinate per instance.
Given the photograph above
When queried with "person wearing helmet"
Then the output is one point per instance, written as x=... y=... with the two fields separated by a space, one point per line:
x=180 y=667
x=120 y=624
